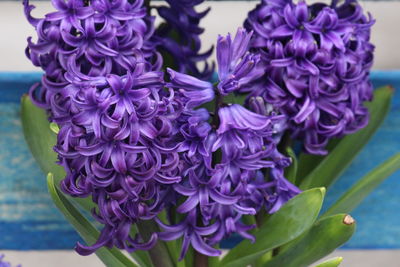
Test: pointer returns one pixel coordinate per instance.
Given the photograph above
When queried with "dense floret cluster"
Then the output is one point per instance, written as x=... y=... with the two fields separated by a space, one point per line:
x=316 y=61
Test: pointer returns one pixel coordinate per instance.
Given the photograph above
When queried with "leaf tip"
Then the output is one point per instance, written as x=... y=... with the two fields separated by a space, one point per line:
x=50 y=178
x=323 y=190
x=348 y=220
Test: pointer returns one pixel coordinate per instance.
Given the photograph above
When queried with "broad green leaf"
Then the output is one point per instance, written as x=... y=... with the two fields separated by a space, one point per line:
x=324 y=237
x=294 y=218
x=308 y=162
x=334 y=262
x=336 y=162
x=363 y=187
x=110 y=257
x=291 y=171
x=40 y=138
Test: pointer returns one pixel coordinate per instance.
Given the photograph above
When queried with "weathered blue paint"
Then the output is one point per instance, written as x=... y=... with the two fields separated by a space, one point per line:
x=28 y=219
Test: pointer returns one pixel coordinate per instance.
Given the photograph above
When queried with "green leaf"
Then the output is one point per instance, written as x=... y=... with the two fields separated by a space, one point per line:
x=291 y=171
x=110 y=257
x=40 y=138
x=353 y=197
x=336 y=162
x=334 y=262
x=308 y=162
x=324 y=237
x=294 y=218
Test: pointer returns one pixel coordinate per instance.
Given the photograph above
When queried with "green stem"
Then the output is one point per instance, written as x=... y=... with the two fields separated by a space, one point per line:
x=200 y=260
x=286 y=142
x=219 y=101
x=159 y=254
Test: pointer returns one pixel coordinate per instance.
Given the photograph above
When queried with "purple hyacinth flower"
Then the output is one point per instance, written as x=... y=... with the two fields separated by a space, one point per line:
x=316 y=61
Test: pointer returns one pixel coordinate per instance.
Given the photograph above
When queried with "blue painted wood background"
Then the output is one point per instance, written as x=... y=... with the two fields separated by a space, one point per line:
x=28 y=219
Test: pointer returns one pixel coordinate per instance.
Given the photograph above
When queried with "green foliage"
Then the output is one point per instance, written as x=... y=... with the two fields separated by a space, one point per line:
x=363 y=187
x=334 y=262
x=294 y=218
x=324 y=237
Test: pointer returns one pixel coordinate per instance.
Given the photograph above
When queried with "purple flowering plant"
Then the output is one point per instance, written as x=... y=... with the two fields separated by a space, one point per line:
x=174 y=160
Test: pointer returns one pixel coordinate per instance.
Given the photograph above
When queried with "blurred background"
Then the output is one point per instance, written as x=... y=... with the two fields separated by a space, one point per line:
x=33 y=233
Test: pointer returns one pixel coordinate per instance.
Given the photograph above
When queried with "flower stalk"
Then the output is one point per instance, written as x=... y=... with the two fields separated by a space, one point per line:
x=160 y=257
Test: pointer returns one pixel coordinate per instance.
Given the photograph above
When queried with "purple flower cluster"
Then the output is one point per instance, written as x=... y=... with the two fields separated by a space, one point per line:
x=230 y=165
x=316 y=61
x=102 y=88
x=178 y=38
x=138 y=145
x=94 y=38
x=117 y=148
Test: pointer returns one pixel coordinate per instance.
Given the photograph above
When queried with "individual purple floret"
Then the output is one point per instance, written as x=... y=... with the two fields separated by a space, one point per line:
x=237 y=68
x=316 y=59
x=178 y=37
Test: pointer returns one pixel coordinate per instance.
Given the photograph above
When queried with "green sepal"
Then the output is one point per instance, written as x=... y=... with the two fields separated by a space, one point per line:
x=363 y=187
x=324 y=237
x=294 y=218
x=110 y=257
x=337 y=161
x=334 y=262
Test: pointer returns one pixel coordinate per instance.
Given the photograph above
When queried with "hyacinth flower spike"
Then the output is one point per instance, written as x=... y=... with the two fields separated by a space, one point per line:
x=216 y=192
x=316 y=61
